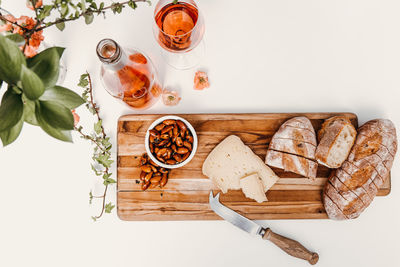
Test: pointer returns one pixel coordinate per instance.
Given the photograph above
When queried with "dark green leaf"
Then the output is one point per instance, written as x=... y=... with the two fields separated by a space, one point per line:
x=60 y=50
x=89 y=18
x=11 y=60
x=31 y=84
x=11 y=110
x=175 y=2
x=56 y=133
x=63 y=96
x=29 y=111
x=109 y=207
x=132 y=4
x=10 y=135
x=46 y=65
x=15 y=37
x=56 y=115
x=101 y=5
x=60 y=26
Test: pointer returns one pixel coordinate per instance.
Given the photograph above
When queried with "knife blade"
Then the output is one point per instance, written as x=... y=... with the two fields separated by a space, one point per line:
x=288 y=245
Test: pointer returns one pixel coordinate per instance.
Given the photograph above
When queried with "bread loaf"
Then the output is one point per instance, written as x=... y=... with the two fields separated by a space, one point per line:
x=336 y=138
x=363 y=173
x=292 y=148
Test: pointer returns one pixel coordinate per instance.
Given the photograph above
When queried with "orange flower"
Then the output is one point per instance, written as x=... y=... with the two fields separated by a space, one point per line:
x=170 y=98
x=201 y=80
x=7 y=26
x=38 y=4
x=30 y=51
x=76 y=117
x=36 y=39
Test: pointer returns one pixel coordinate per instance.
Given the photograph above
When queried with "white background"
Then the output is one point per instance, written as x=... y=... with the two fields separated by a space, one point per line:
x=262 y=56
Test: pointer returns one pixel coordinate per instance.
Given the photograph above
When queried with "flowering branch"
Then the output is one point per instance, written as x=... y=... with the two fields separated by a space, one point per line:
x=101 y=153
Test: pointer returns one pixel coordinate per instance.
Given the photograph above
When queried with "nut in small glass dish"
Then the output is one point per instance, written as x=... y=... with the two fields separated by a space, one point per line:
x=171 y=142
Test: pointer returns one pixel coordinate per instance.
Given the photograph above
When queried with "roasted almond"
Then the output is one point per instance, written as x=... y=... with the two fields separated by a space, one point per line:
x=188 y=145
x=185 y=156
x=182 y=150
x=164 y=180
x=154 y=133
x=164 y=136
x=171 y=161
x=148 y=176
x=179 y=141
x=177 y=157
x=142 y=175
x=167 y=129
x=159 y=127
x=169 y=122
x=145 y=185
x=146 y=168
x=181 y=125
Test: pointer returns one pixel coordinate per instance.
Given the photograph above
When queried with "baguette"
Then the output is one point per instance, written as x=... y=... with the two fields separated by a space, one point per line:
x=363 y=173
x=336 y=138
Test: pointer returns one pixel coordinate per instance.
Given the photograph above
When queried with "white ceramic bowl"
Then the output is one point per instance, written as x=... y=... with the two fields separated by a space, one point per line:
x=153 y=158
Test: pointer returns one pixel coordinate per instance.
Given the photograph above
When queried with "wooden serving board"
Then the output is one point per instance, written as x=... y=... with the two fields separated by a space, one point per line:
x=185 y=197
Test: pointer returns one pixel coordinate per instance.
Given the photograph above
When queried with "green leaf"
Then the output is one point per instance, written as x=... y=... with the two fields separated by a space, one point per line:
x=89 y=18
x=57 y=115
x=83 y=80
x=109 y=181
x=56 y=133
x=31 y=84
x=10 y=135
x=11 y=110
x=63 y=96
x=64 y=10
x=60 y=26
x=94 y=218
x=29 y=111
x=46 y=65
x=11 y=59
x=90 y=197
x=109 y=207
x=97 y=127
x=132 y=4
x=15 y=37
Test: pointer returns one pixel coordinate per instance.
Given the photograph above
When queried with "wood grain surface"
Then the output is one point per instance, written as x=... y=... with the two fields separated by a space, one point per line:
x=186 y=195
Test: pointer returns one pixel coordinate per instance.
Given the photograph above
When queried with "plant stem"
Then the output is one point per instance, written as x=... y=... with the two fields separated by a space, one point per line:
x=88 y=12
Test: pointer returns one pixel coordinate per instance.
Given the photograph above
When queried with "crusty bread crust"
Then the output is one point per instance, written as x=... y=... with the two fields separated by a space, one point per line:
x=329 y=135
x=364 y=172
x=292 y=163
x=306 y=150
x=292 y=147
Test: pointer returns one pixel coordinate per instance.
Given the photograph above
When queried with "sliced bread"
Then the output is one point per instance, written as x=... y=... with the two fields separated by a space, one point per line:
x=292 y=163
x=293 y=146
x=336 y=138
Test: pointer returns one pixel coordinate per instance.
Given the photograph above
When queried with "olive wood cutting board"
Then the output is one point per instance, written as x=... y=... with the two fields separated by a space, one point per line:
x=185 y=197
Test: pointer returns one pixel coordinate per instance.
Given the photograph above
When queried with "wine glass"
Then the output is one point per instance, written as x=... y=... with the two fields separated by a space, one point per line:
x=179 y=29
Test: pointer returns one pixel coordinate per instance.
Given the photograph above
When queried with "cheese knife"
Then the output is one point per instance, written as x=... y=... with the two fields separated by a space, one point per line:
x=290 y=246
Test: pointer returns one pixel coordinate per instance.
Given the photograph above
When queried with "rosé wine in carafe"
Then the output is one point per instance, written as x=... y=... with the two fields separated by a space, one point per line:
x=128 y=74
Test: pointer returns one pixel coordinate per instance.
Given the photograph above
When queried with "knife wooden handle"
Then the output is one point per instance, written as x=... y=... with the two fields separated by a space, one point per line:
x=291 y=247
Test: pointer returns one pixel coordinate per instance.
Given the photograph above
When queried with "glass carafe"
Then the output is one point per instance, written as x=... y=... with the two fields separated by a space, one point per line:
x=128 y=74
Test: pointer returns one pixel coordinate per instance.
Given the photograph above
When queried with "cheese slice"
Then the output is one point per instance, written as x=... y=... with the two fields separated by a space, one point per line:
x=231 y=160
x=253 y=187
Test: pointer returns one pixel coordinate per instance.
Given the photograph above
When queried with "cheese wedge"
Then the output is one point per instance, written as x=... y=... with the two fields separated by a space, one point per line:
x=231 y=160
x=253 y=187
